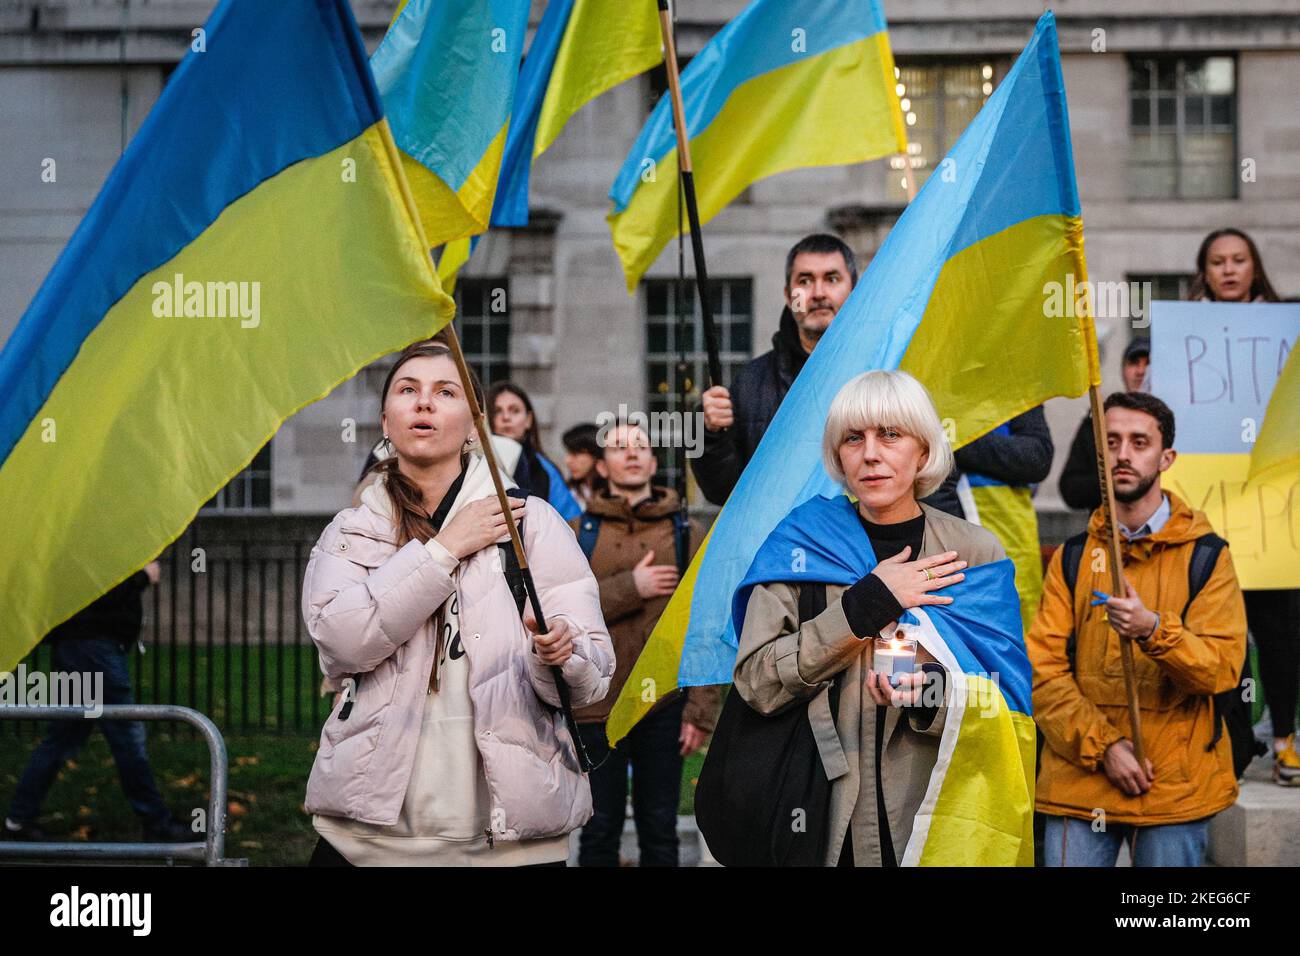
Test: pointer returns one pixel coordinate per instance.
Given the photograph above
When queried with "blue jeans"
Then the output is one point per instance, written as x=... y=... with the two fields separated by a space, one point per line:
x=66 y=737
x=1071 y=842
x=654 y=753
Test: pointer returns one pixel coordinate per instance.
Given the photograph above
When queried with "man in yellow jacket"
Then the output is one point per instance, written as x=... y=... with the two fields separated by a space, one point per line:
x=1091 y=787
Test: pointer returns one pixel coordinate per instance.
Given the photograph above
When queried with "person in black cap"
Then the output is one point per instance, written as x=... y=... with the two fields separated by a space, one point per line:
x=1078 y=484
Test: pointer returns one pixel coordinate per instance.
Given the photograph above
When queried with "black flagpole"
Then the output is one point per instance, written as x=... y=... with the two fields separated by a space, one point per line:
x=688 y=188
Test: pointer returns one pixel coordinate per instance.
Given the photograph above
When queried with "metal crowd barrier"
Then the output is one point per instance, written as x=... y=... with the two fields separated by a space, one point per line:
x=210 y=851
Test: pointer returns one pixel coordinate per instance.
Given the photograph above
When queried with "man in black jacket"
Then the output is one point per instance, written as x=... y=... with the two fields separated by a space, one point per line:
x=1078 y=483
x=96 y=640
x=1018 y=453
x=820 y=272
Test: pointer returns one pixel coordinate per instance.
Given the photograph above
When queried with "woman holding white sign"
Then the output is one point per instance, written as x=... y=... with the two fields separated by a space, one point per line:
x=1229 y=269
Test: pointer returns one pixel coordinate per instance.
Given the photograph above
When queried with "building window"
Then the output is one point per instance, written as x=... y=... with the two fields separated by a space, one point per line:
x=483 y=324
x=939 y=99
x=668 y=334
x=1182 y=127
x=250 y=490
x=1164 y=287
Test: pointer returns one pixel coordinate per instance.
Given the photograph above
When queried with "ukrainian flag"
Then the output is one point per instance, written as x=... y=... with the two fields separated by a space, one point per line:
x=446 y=70
x=956 y=296
x=582 y=48
x=1008 y=511
x=1277 y=448
x=978 y=808
x=253 y=247
x=786 y=84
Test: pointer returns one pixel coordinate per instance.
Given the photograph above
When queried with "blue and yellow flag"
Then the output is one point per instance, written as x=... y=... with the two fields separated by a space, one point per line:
x=978 y=808
x=581 y=49
x=446 y=72
x=232 y=270
x=956 y=297
x=1008 y=512
x=786 y=84
x=1277 y=449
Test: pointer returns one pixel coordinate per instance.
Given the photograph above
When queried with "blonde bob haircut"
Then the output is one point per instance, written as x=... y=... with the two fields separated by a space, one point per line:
x=888 y=399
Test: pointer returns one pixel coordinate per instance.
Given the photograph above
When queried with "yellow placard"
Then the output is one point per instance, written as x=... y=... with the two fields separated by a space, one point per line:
x=1260 y=520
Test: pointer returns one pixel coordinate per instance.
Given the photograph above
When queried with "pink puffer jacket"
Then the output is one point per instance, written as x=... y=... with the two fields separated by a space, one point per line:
x=368 y=607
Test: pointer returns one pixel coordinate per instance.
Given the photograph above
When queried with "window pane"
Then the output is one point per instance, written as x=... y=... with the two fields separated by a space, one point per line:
x=1141 y=75
x=1166 y=110
x=741 y=337
x=656 y=298
x=1220 y=110
x=1139 y=111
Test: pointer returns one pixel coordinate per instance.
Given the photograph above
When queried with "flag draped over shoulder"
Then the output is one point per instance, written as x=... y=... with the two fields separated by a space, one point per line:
x=786 y=84
x=956 y=297
x=446 y=73
x=232 y=270
x=1277 y=447
x=978 y=807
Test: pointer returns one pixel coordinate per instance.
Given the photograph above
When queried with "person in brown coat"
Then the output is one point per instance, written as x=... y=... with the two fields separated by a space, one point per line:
x=630 y=531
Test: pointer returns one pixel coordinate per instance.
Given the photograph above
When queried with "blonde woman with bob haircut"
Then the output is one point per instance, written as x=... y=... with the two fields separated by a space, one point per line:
x=883 y=441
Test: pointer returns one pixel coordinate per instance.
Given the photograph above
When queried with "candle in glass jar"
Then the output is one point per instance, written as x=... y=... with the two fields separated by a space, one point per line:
x=894 y=656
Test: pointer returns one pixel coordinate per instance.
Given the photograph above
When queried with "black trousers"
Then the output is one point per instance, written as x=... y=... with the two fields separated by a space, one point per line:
x=653 y=750
x=1274 y=620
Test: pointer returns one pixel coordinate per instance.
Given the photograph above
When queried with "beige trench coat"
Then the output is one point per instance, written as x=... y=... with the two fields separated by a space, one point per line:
x=780 y=661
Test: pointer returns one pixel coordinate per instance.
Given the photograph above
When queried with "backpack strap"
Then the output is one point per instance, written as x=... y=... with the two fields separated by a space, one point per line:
x=510 y=563
x=1071 y=558
x=588 y=532
x=1205 y=557
x=682 y=541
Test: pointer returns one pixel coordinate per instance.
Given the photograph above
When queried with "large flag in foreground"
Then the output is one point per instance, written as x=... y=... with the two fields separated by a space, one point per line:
x=786 y=84
x=956 y=296
x=447 y=74
x=253 y=247
x=1277 y=448
x=978 y=808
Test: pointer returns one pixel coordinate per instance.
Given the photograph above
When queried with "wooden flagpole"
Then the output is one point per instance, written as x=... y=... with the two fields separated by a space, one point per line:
x=1115 y=561
x=485 y=442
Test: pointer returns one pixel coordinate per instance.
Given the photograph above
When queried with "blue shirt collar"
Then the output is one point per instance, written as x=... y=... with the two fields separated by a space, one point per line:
x=1152 y=525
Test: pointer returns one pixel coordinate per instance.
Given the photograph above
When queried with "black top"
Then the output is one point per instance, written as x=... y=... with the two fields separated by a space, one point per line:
x=116 y=615
x=870 y=606
x=1024 y=457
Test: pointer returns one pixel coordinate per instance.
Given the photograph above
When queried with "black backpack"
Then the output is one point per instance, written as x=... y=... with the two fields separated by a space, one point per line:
x=761 y=772
x=1230 y=707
